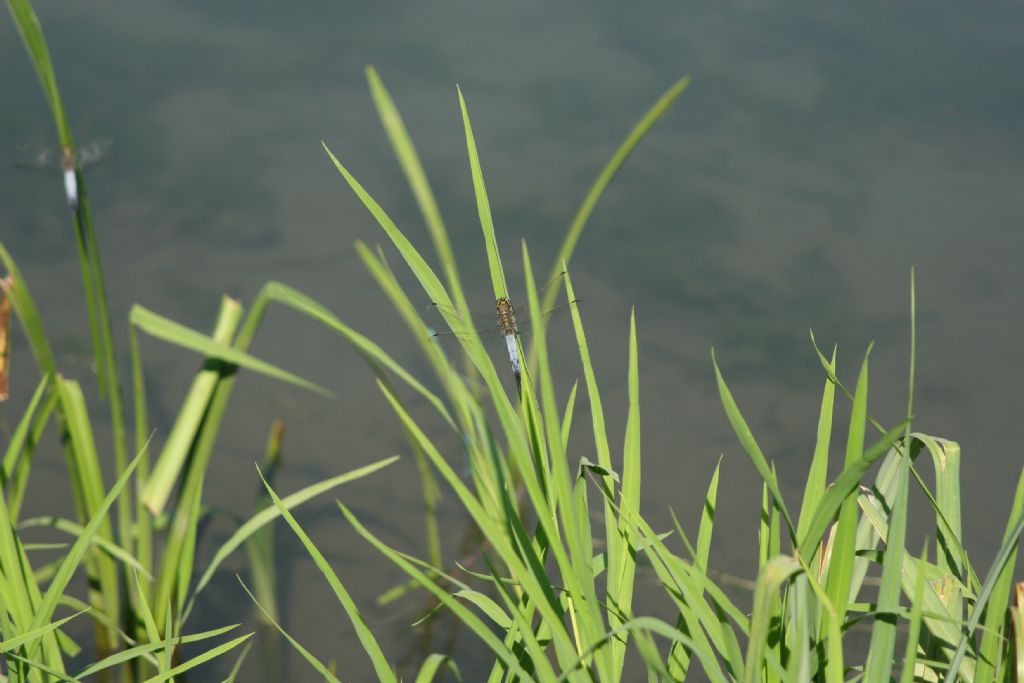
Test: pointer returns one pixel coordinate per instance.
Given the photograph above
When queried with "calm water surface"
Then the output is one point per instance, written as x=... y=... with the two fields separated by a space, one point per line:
x=820 y=152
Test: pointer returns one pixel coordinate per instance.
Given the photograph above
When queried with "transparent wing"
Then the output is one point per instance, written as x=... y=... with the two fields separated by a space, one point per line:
x=37 y=158
x=93 y=153
x=487 y=324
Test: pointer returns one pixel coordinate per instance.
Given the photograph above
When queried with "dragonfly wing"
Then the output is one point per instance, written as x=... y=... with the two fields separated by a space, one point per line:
x=37 y=158
x=524 y=321
x=93 y=153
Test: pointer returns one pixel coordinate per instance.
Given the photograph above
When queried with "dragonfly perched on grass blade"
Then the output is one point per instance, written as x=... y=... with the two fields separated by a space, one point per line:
x=506 y=326
x=64 y=161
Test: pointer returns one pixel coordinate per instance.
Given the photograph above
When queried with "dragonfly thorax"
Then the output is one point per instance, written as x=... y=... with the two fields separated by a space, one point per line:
x=506 y=316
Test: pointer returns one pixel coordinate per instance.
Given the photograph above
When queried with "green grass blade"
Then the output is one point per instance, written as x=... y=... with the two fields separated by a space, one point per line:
x=17 y=461
x=749 y=444
x=306 y=654
x=579 y=221
x=74 y=557
x=844 y=485
x=474 y=623
x=199 y=659
x=409 y=160
x=269 y=514
x=995 y=614
x=775 y=573
x=427 y=278
x=840 y=566
x=883 y=633
x=483 y=207
x=814 y=489
x=163 y=328
x=432 y=665
x=914 y=627
x=1008 y=549
x=161 y=482
x=363 y=633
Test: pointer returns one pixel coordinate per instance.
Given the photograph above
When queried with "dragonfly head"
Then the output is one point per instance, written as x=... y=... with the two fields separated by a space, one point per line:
x=67 y=159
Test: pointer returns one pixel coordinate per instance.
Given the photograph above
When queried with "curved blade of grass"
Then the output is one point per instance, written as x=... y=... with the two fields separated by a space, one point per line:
x=238 y=663
x=409 y=160
x=474 y=623
x=746 y=437
x=776 y=572
x=1007 y=550
x=269 y=514
x=17 y=462
x=87 y=481
x=71 y=561
x=166 y=329
x=483 y=207
x=73 y=529
x=915 y=619
x=817 y=475
x=147 y=648
x=306 y=654
x=432 y=664
x=579 y=221
x=426 y=276
x=366 y=637
x=883 y=633
x=840 y=567
x=158 y=487
x=844 y=485
x=199 y=659
x=34 y=634
x=990 y=644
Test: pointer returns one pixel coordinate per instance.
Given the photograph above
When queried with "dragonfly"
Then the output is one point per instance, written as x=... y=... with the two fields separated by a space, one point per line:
x=506 y=327
x=65 y=161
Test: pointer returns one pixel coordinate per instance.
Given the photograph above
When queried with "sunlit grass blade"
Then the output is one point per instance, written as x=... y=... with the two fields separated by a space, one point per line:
x=163 y=328
x=74 y=556
x=883 y=633
x=306 y=654
x=233 y=674
x=775 y=573
x=105 y=544
x=474 y=623
x=157 y=488
x=995 y=613
x=269 y=514
x=749 y=444
x=814 y=489
x=199 y=659
x=259 y=548
x=409 y=160
x=34 y=634
x=17 y=461
x=1007 y=549
x=426 y=276
x=432 y=665
x=914 y=626
x=483 y=207
x=366 y=638
x=147 y=648
x=579 y=221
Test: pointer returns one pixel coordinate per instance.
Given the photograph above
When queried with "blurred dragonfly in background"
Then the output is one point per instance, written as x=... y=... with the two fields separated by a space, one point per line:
x=503 y=323
x=64 y=161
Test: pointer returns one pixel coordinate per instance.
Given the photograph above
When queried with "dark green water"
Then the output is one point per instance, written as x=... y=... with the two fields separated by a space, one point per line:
x=820 y=152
